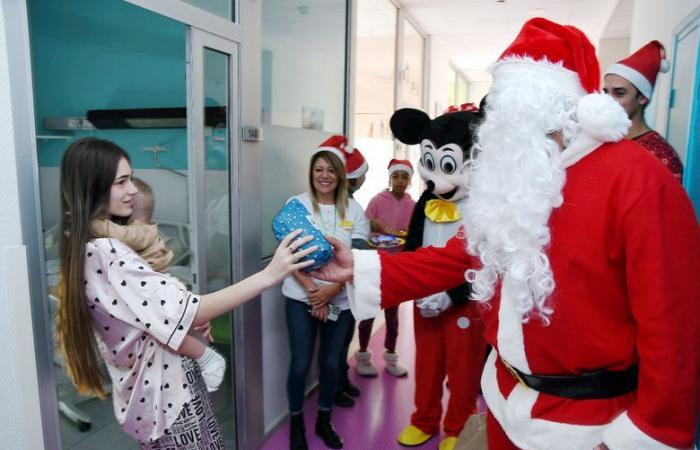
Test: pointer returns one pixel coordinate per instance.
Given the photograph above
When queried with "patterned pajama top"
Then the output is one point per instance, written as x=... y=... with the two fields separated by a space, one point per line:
x=140 y=317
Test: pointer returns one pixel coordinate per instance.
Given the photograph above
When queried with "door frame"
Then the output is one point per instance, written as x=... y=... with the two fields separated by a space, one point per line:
x=692 y=162
x=246 y=255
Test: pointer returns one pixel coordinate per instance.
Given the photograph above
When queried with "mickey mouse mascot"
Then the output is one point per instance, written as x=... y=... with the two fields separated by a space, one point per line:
x=449 y=335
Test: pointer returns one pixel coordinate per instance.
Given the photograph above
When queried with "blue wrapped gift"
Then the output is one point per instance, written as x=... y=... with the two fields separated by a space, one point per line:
x=293 y=216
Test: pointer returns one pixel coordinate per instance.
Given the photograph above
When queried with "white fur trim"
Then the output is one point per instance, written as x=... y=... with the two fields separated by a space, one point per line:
x=602 y=117
x=511 y=343
x=357 y=173
x=516 y=68
x=622 y=434
x=333 y=150
x=514 y=415
x=363 y=292
x=602 y=120
x=403 y=167
x=637 y=79
x=577 y=150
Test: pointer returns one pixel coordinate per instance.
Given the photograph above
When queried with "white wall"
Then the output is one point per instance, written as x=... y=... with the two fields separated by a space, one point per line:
x=612 y=50
x=20 y=417
x=653 y=19
x=476 y=91
x=293 y=88
x=438 y=68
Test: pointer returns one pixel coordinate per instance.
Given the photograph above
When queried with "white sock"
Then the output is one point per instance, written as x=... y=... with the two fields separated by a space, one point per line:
x=213 y=367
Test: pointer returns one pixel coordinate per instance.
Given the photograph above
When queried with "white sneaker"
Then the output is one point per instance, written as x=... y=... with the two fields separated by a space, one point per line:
x=364 y=365
x=213 y=367
x=393 y=365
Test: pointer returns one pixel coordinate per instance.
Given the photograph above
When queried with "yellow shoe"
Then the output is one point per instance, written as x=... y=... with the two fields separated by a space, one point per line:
x=412 y=436
x=448 y=443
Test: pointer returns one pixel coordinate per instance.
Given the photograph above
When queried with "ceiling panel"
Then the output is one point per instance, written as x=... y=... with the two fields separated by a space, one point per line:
x=476 y=32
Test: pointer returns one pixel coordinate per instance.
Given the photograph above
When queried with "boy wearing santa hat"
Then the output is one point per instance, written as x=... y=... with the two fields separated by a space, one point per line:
x=584 y=252
x=631 y=83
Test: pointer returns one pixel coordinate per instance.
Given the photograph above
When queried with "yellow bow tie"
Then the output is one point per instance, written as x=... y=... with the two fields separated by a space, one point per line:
x=439 y=210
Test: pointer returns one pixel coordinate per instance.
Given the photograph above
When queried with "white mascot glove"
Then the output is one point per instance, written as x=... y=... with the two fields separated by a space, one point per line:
x=433 y=305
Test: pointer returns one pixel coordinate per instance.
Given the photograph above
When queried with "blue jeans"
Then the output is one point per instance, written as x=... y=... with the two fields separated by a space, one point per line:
x=302 y=330
x=343 y=379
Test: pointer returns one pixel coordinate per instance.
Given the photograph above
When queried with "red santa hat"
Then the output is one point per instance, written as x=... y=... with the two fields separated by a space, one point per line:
x=335 y=144
x=642 y=67
x=401 y=164
x=564 y=55
x=355 y=164
x=354 y=161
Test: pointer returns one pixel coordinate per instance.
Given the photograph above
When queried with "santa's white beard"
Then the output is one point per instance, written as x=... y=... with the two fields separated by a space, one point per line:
x=515 y=183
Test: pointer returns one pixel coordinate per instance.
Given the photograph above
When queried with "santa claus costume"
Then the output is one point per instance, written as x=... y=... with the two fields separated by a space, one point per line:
x=585 y=260
x=449 y=334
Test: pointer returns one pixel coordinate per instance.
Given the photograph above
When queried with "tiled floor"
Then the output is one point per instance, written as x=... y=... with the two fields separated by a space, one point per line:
x=382 y=410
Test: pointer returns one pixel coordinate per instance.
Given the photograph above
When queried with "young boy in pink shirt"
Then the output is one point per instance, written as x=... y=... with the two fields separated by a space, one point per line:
x=389 y=212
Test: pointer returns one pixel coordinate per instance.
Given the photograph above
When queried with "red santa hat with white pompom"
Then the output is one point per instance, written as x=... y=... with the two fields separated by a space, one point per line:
x=354 y=161
x=642 y=67
x=564 y=55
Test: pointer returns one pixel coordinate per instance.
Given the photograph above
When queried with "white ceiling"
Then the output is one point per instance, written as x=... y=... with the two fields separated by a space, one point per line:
x=475 y=32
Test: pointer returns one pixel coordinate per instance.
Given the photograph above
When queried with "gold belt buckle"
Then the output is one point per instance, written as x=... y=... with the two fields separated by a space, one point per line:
x=515 y=373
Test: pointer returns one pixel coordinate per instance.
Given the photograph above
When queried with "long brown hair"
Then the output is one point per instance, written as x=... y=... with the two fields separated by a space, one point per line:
x=340 y=196
x=87 y=174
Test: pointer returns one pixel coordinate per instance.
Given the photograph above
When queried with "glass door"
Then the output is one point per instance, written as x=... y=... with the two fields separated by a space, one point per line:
x=212 y=99
x=100 y=69
x=114 y=70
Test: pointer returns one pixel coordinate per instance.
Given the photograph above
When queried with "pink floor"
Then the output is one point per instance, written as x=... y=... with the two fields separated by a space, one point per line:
x=381 y=412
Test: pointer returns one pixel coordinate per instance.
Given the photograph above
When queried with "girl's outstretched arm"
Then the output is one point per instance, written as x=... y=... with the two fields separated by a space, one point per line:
x=283 y=262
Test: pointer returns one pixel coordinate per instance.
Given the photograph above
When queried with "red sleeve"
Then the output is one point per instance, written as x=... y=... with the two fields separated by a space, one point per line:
x=428 y=270
x=662 y=243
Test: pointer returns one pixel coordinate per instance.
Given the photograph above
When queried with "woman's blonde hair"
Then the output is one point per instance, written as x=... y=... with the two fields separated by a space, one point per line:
x=340 y=196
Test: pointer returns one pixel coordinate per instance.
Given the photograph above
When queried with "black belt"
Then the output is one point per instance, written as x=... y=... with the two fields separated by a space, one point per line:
x=592 y=385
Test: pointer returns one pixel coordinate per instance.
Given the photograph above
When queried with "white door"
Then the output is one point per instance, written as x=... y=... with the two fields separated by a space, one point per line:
x=683 y=89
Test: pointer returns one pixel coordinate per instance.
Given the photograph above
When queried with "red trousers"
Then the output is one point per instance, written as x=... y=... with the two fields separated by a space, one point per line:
x=446 y=348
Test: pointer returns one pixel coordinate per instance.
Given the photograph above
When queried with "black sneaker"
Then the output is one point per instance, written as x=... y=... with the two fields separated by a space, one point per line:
x=351 y=390
x=342 y=399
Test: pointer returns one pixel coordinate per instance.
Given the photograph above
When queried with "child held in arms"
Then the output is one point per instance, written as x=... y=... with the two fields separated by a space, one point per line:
x=143 y=237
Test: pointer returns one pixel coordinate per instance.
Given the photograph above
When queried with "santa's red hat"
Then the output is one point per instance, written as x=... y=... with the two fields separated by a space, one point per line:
x=401 y=164
x=642 y=67
x=354 y=161
x=563 y=55
x=355 y=164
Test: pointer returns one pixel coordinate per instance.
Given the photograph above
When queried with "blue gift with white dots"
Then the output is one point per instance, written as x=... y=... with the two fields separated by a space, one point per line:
x=293 y=216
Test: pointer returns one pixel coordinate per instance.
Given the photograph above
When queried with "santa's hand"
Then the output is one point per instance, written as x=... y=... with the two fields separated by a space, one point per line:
x=339 y=269
x=433 y=305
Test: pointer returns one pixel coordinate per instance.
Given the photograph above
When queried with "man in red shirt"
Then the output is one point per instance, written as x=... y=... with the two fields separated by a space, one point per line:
x=631 y=83
x=583 y=251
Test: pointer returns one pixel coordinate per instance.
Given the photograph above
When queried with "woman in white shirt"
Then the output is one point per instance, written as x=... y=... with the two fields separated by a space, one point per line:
x=313 y=305
x=115 y=305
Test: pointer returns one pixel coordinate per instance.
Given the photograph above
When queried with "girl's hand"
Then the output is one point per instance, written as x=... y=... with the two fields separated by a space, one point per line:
x=320 y=313
x=340 y=269
x=286 y=256
x=323 y=294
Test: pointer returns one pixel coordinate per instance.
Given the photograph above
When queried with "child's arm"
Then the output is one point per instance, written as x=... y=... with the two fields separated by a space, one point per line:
x=136 y=235
x=192 y=347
